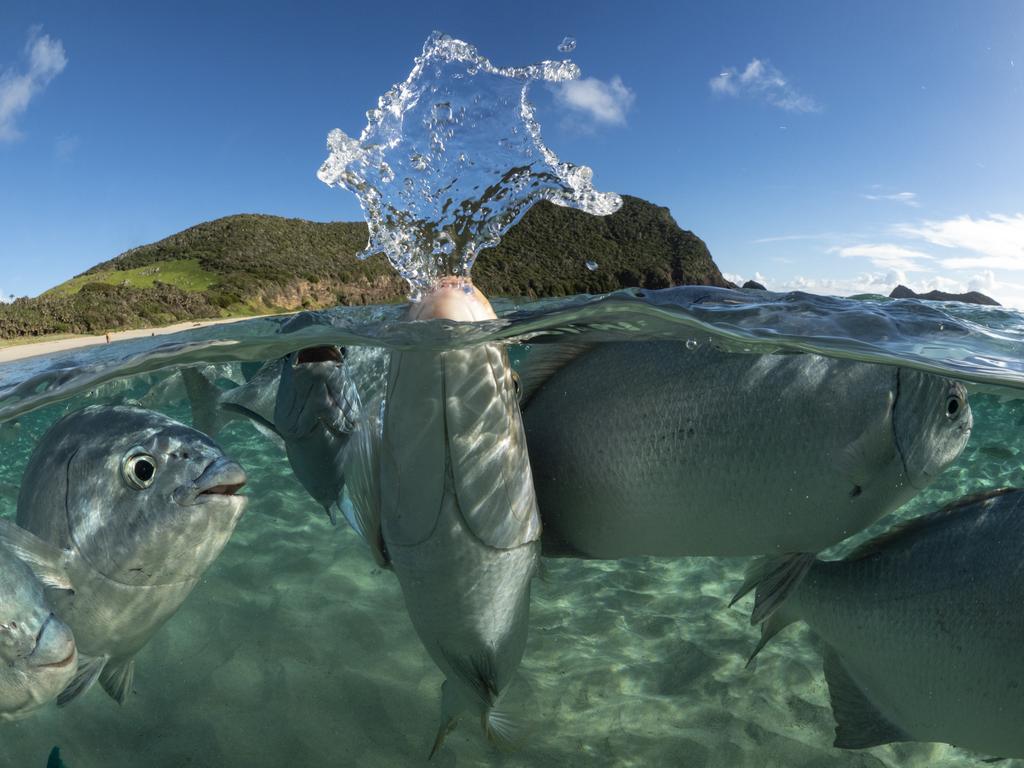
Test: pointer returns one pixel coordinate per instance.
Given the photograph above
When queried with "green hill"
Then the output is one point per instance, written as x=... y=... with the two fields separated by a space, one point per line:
x=254 y=264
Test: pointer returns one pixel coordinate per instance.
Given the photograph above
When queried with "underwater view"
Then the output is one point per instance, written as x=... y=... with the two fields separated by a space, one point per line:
x=660 y=520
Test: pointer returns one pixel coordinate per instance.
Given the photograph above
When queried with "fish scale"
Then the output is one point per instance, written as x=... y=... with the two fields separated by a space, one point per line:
x=927 y=628
x=717 y=453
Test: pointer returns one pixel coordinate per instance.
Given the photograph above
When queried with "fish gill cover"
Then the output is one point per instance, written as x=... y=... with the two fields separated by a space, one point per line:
x=451 y=158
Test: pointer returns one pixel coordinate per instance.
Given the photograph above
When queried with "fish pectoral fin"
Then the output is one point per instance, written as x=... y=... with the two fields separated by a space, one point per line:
x=331 y=515
x=362 y=483
x=503 y=730
x=89 y=669
x=774 y=578
x=47 y=562
x=866 y=455
x=859 y=724
x=116 y=679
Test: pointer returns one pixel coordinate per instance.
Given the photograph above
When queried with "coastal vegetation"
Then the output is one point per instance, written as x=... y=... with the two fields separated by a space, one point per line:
x=256 y=264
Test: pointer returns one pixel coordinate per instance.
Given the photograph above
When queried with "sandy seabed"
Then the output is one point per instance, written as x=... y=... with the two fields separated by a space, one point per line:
x=295 y=650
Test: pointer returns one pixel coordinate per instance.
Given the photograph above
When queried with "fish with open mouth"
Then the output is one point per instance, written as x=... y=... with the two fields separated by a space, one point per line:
x=139 y=506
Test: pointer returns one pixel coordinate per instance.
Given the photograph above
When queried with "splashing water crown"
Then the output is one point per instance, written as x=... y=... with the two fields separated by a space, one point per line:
x=451 y=158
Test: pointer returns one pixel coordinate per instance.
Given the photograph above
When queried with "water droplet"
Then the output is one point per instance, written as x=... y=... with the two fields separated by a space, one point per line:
x=692 y=344
x=591 y=265
x=442 y=112
x=568 y=45
x=418 y=161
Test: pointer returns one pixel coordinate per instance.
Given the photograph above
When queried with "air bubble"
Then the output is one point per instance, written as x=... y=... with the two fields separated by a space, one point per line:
x=591 y=265
x=692 y=344
x=568 y=45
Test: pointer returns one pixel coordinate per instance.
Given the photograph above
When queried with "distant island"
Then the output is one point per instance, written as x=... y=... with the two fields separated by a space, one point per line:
x=971 y=297
x=253 y=264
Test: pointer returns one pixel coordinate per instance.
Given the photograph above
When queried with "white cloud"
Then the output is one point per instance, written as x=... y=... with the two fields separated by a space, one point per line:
x=907 y=198
x=887 y=256
x=760 y=79
x=996 y=242
x=46 y=60
x=604 y=102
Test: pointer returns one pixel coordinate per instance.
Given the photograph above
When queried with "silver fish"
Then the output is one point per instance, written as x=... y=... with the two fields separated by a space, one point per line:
x=38 y=656
x=922 y=629
x=307 y=399
x=453 y=510
x=141 y=506
x=651 y=448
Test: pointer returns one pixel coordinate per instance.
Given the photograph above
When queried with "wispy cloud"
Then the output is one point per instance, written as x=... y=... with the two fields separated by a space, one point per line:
x=907 y=198
x=45 y=60
x=796 y=237
x=65 y=146
x=603 y=102
x=888 y=256
x=759 y=79
x=995 y=242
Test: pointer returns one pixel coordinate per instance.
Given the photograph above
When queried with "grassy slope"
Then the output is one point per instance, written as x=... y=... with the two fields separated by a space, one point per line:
x=253 y=264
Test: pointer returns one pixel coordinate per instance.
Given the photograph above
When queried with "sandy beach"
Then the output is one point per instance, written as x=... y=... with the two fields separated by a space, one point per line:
x=21 y=351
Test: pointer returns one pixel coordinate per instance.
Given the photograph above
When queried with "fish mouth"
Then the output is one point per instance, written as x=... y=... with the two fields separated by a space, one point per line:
x=60 y=664
x=222 y=479
x=44 y=645
x=327 y=354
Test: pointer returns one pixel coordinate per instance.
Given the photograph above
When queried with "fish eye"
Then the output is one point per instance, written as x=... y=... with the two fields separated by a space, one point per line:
x=515 y=383
x=954 y=404
x=138 y=470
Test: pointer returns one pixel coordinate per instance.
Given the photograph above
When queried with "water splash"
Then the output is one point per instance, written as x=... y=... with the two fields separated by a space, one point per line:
x=568 y=45
x=451 y=158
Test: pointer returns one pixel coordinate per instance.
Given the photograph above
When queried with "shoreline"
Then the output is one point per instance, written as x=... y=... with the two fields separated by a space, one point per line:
x=20 y=351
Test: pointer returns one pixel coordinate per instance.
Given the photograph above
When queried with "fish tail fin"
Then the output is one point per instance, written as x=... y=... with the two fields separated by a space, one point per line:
x=89 y=669
x=362 y=482
x=116 y=679
x=47 y=562
x=773 y=578
x=203 y=398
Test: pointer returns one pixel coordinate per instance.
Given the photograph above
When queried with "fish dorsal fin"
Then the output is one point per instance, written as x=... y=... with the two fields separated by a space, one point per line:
x=490 y=465
x=89 y=669
x=47 y=562
x=204 y=400
x=913 y=526
x=362 y=482
x=116 y=679
x=257 y=398
x=544 y=361
x=859 y=724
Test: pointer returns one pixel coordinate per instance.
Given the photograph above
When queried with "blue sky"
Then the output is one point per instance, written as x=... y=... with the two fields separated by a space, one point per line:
x=833 y=147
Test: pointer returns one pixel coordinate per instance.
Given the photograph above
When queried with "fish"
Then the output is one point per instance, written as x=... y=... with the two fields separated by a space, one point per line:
x=445 y=498
x=921 y=629
x=38 y=654
x=654 y=448
x=140 y=506
x=307 y=400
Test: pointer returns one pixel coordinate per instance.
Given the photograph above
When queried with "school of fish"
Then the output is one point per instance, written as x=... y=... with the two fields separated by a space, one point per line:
x=461 y=471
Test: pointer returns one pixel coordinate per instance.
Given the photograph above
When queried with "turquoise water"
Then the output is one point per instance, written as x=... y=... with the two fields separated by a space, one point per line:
x=296 y=650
